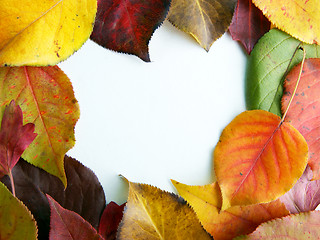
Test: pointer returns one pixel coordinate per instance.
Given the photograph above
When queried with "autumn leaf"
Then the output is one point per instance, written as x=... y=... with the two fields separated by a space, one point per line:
x=151 y=213
x=258 y=158
x=299 y=18
x=205 y=20
x=300 y=226
x=16 y=222
x=110 y=220
x=304 y=113
x=206 y=202
x=68 y=225
x=267 y=66
x=83 y=195
x=127 y=26
x=46 y=97
x=248 y=24
x=14 y=138
x=42 y=33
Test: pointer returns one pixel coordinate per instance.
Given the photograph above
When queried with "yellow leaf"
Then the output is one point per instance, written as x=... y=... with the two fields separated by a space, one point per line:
x=43 y=32
x=155 y=214
x=299 y=18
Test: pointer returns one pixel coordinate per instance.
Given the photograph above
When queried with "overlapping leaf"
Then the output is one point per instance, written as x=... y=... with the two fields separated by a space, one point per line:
x=300 y=226
x=248 y=24
x=68 y=225
x=205 y=20
x=154 y=214
x=257 y=159
x=43 y=32
x=16 y=222
x=206 y=202
x=127 y=26
x=267 y=66
x=304 y=113
x=83 y=195
x=299 y=18
x=46 y=98
x=14 y=138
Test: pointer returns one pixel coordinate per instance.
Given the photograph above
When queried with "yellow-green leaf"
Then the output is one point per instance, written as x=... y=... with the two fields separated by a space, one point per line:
x=44 y=32
x=46 y=97
x=299 y=18
x=205 y=20
x=155 y=214
x=16 y=222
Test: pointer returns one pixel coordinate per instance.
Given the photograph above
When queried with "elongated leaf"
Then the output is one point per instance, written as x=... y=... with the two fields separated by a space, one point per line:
x=299 y=18
x=248 y=24
x=83 y=195
x=43 y=32
x=304 y=113
x=267 y=66
x=257 y=159
x=14 y=137
x=305 y=194
x=206 y=202
x=68 y=225
x=154 y=214
x=300 y=226
x=46 y=98
x=205 y=20
x=16 y=222
x=127 y=26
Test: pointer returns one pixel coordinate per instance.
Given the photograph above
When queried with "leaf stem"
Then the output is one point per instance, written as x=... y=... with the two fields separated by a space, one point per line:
x=12 y=183
x=296 y=87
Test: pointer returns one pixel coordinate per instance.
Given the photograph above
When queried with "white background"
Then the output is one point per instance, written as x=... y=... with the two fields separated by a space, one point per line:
x=152 y=122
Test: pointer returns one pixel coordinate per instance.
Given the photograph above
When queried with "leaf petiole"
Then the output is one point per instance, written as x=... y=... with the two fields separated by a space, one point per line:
x=12 y=182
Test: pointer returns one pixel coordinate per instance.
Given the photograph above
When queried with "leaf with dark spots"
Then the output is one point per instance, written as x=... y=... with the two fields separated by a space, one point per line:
x=110 y=220
x=127 y=26
x=83 y=195
x=68 y=225
x=248 y=24
x=14 y=137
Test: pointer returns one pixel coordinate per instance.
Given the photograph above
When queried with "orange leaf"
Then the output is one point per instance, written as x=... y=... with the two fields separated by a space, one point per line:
x=304 y=112
x=46 y=98
x=258 y=159
x=235 y=221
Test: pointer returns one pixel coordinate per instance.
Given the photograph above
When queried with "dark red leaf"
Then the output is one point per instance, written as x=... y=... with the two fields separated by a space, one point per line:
x=110 y=219
x=14 y=137
x=127 y=25
x=248 y=24
x=68 y=225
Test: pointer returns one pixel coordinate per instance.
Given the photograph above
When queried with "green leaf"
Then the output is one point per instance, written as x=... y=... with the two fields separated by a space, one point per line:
x=267 y=65
x=16 y=222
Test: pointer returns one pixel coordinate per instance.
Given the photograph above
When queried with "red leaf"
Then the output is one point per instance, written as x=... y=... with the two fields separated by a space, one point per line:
x=68 y=225
x=127 y=26
x=110 y=220
x=248 y=24
x=14 y=137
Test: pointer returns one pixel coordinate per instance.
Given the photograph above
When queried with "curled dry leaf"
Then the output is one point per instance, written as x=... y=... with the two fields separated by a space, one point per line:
x=258 y=158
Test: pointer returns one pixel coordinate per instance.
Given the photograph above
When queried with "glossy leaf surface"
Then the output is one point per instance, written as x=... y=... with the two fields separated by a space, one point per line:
x=206 y=202
x=155 y=214
x=304 y=112
x=257 y=159
x=300 y=226
x=248 y=24
x=46 y=97
x=83 y=195
x=299 y=18
x=44 y=32
x=267 y=68
x=127 y=25
x=68 y=225
x=205 y=20
x=14 y=137
x=16 y=222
